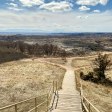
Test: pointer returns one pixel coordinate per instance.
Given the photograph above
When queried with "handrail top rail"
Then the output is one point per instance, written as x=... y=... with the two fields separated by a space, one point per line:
x=82 y=95
x=9 y=106
x=38 y=105
x=21 y=102
x=50 y=92
x=90 y=103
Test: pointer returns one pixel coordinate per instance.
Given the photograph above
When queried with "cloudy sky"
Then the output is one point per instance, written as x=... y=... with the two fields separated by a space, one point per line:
x=56 y=15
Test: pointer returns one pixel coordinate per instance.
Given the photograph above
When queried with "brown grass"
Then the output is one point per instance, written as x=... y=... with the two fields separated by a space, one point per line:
x=23 y=79
x=60 y=61
x=99 y=95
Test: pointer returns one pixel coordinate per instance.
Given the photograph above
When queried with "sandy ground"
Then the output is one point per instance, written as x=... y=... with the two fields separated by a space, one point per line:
x=60 y=61
x=26 y=78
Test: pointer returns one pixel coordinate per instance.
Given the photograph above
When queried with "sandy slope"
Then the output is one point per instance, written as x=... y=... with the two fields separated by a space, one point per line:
x=26 y=78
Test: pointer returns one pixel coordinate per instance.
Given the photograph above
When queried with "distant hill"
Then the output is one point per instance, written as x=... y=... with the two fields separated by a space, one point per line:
x=53 y=34
x=10 y=36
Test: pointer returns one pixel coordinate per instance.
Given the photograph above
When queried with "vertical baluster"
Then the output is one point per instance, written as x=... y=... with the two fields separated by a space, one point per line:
x=83 y=102
x=35 y=104
x=56 y=86
x=15 y=107
x=80 y=92
x=47 y=102
x=53 y=86
x=89 y=107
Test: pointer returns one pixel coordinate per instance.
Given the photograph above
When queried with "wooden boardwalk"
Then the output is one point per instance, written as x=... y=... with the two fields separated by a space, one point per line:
x=69 y=97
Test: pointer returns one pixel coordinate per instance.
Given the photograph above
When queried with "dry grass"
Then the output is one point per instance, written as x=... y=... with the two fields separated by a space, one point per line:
x=23 y=79
x=99 y=95
x=60 y=61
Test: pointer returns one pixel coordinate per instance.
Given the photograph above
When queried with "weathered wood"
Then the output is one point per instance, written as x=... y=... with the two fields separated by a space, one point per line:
x=47 y=102
x=90 y=105
x=35 y=104
x=53 y=87
x=13 y=105
x=69 y=97
x=16 y=108
x=70 y=100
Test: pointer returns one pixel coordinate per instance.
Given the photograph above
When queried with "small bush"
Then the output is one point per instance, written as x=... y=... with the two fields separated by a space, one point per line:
x=89 y=76
x=102 y=62
x=81 y=75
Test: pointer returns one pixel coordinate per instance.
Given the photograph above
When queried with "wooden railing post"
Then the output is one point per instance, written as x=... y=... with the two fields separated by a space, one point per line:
x=89 y=107
x=80 y=91
x=56 y=86
x=35 y=104
x=47 y=102
x=15 y=107
x=82 y=99
x=53 y=86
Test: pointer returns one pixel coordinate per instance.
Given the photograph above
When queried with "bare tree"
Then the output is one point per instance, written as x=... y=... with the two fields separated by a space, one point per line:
x=102 y=62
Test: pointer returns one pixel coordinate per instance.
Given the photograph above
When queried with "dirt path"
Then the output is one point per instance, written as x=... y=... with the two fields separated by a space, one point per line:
x=69 y=98
x=69 y=82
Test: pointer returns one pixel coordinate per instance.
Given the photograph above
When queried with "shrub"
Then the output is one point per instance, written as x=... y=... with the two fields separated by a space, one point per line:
x=101 y=63
x=81 y=74
x=89 y=76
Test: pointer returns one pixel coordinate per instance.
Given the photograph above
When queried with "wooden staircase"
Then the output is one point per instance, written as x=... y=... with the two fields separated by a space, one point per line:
x=69 y=103
x=69 y=98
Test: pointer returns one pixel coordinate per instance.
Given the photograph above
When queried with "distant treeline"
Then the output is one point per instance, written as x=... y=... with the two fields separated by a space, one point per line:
x=34 y=49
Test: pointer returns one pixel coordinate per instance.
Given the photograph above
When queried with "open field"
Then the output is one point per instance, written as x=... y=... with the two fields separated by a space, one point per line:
x=99 y=95
x=60 y=61
x=26 y=78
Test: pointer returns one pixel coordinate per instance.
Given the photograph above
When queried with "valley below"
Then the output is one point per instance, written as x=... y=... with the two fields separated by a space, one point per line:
x=29 y=64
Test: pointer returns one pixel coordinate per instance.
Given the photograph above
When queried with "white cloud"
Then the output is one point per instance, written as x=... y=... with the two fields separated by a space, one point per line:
x=84 y=8
x=56 y=6
x=96 y=11
x=30 y=3
x=86 y=17
x=79 y=17
x=92 y=2
x=51 y=6
x=87 y=2
x=104 y=2
x=82 y=17
x=15 y=8
x=13 y=4
x=57 y=22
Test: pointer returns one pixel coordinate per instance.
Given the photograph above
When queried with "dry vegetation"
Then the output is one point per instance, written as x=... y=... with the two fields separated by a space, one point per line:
x=99 y=95
x=60 y=61
x=27 y=78
x=23 y=79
